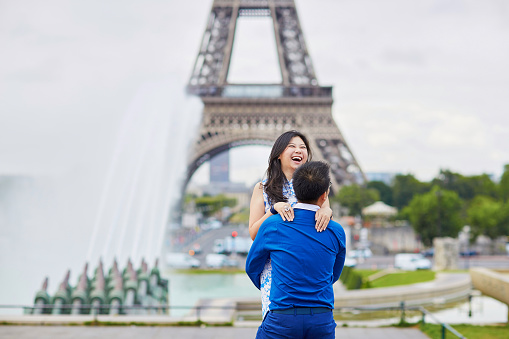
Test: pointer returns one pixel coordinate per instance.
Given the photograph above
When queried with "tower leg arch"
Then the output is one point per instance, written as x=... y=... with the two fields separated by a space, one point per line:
x=207 y=154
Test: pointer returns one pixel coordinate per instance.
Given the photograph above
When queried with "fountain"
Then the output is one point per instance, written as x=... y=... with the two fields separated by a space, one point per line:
x=139 y=291
x=42 y=298
x=150 y=156
x=98 y=295
x=79 y=296
x=62 y=296
x=116 y=207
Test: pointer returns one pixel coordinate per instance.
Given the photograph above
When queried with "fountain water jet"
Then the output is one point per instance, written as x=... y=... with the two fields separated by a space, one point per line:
x=159 y=138
x=144 y=177
x=123 y=134
x=133 y=189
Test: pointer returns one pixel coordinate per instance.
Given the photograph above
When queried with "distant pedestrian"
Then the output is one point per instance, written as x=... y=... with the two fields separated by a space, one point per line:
x=275 y=194
x=305 y=263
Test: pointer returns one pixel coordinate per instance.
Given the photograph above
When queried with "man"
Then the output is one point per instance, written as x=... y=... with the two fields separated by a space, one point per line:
x=305 y=263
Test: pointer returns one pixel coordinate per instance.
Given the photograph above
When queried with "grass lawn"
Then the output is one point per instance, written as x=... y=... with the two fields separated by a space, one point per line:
x=469 y=331
x=366 y=273
x=403 y=278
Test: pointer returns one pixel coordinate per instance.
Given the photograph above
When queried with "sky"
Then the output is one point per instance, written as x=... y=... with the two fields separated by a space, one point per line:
x=87 y=87
x=418 y=86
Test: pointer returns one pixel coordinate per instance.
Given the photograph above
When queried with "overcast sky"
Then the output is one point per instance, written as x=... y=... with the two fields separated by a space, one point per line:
x=418 y=85
x=87 y=86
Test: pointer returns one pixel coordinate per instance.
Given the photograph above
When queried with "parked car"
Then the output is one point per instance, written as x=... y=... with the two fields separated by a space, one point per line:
x=227 y=245
x=219 y=260
x=196 y=248
x=411 y=262
x=430 y=252
x=469 y=253
x=181 y=260
x=350 y=262
x=243 y=245
x=211 y=224
x=219 y=246
x=360 y=253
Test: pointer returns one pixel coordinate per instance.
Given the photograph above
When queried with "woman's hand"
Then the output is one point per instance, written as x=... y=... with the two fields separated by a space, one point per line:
x=285 y=210
x=322 y=217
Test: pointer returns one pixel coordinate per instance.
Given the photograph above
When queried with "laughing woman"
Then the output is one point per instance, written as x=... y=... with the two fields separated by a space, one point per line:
x=275 y=195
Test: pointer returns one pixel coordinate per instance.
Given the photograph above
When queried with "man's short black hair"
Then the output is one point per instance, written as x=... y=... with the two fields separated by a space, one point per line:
x=311 y=180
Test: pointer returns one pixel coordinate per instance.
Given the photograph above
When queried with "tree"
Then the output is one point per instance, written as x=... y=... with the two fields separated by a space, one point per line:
x=435 y=214
x=405 y=187
x=383 y=189
x=487 y=216
x=241 y=217
x=503 y=186
x=466 y=187
x=188 y=198
x=209 y=205
x=504 y=219
x=482 y=185
x=355 y=197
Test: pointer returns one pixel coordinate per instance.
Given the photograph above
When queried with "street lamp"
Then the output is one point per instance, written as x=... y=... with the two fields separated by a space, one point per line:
x=439 y=223
x=466 y=230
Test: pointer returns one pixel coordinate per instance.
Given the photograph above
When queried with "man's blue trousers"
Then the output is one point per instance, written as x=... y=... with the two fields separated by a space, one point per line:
x=298 y=326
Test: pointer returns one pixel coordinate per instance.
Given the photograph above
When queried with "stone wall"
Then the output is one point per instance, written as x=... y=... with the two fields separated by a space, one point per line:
x=446 y=254
x=394 y=239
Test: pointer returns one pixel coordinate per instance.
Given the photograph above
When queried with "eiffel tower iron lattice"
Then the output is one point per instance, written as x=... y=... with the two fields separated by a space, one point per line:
x=249 y=114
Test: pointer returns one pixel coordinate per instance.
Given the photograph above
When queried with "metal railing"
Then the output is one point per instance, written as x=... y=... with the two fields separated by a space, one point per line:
x=164 y=309
x=261 y=91
x=424 y=312
x=443 y=325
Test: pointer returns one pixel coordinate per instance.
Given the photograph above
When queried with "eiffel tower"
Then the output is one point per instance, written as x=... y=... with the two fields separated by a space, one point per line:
x=248 y=114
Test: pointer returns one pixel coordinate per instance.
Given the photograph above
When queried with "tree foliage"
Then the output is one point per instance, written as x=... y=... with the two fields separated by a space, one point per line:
x=488 y=217
x=467 y=187
x=435 y=214
x=241 y=217
x=405 y=187
x=503 y=186
x=441 y=207
x=209 y=205
x=383 y=189
x=356 y=197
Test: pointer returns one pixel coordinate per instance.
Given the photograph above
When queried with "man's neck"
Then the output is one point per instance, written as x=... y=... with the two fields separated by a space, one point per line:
x=309 y=207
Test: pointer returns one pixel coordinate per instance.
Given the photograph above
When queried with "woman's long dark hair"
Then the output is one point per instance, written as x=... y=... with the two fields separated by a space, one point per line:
x=275 y=176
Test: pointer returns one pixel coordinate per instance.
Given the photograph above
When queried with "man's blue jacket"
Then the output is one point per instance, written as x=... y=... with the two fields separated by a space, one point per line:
x=305 y=263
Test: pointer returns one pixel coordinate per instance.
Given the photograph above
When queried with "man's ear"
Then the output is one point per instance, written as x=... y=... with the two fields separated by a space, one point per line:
x=323 y=197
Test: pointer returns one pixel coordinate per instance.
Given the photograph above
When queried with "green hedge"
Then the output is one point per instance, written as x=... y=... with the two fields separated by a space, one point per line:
x=352 y=280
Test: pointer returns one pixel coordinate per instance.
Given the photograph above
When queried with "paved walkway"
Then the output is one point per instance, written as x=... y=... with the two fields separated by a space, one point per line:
x=61 y=332
x=50 y=326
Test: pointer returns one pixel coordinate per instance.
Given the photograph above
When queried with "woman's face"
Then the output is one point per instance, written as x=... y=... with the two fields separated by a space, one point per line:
x=294 y=155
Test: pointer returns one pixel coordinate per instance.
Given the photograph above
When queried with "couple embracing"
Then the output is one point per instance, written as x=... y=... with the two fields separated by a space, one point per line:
x=298 y=250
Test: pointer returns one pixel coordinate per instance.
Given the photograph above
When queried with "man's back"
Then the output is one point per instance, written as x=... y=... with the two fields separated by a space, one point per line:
x=305 y=263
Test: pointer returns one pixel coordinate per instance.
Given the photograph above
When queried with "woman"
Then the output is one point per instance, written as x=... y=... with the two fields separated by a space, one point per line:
x=275 y=194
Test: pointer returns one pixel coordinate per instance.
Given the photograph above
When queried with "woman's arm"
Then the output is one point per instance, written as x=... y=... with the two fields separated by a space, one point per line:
x=257 y=213
x=323 y=216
